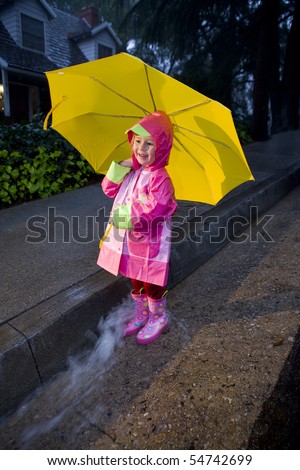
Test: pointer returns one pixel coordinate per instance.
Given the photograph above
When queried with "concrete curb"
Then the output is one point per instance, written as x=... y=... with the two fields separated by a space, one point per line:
x=189 y=255
x=38 y=342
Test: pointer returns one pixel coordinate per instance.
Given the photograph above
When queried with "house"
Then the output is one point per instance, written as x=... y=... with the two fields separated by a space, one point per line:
x=36 y=37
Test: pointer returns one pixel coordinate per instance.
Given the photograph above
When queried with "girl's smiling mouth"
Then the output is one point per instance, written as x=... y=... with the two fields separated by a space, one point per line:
x=144 y=150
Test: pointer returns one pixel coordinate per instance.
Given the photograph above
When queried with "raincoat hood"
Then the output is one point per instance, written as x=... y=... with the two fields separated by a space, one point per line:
x=159 y=126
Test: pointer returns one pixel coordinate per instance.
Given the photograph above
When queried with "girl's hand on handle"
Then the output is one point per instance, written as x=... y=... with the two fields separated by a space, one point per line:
x=128 y=163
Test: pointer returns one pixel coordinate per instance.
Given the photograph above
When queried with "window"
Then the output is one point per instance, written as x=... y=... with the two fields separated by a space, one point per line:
x=104 y=51
x=33 y=36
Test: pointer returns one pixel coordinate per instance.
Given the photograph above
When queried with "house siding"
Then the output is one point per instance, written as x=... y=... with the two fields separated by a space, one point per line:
x=89 y=47
x=105 y=39
x=11 y=18
x=33 y=9
x=69 y=40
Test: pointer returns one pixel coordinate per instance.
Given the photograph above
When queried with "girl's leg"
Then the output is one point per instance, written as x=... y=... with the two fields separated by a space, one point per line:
x=158 y=320
x=138 y=286
x=153 y=291
x=140 y=312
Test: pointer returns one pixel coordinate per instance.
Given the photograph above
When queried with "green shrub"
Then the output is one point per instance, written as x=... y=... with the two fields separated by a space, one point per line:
x=35 y=163
x=243 y=131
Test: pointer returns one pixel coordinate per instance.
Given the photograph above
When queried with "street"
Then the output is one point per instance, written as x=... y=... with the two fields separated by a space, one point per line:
x=207 y=382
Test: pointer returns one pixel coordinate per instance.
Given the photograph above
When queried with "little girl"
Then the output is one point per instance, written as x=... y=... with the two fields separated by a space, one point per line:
x=138 y=245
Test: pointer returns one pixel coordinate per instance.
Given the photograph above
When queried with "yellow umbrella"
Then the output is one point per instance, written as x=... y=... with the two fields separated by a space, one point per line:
x=94 y=103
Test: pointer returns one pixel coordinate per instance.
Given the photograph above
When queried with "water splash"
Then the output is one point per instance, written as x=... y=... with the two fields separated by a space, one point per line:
x=74 y=398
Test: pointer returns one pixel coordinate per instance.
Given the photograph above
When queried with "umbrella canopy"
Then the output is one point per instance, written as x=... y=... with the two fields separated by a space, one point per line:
x=94 y=103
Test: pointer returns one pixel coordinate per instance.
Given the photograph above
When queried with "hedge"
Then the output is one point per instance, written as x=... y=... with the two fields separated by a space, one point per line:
x=35 y=163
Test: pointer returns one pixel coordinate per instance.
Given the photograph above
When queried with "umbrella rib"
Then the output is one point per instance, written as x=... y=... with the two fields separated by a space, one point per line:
x=190 y=154
x=119 y=145
x=92 y=113
x=188 y=108
x=197 y=162
x=115 y=148
x=204 y=136
x=226 y=145
x=149 y=86
x=211 y=139
x=118 y=94
x=112 y=115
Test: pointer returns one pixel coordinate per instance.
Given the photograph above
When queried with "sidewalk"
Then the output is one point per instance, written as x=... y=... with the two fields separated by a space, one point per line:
x=53 y=292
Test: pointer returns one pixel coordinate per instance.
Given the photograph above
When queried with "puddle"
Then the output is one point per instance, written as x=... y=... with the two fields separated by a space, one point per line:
x=60 y=409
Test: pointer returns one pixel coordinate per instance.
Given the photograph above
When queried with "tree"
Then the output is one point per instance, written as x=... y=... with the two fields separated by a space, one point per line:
x=291 y=74
x=110 y=10
x=204 y=41
x=235 y=52
x=266 y=71
x=217 y=46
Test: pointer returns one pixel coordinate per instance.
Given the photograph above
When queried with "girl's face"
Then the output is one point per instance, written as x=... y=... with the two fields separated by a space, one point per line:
x=144 y=150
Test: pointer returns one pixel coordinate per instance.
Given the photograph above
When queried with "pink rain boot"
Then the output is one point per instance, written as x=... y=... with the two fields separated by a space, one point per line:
x=141 y=314
x=157 y=323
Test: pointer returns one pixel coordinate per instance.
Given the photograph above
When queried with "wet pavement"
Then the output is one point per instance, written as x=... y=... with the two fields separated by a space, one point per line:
x=53 y=294
x=224 y=376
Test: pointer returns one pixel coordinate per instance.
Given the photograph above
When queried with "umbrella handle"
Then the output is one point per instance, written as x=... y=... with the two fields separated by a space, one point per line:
x=102 y=240
x=50 y=112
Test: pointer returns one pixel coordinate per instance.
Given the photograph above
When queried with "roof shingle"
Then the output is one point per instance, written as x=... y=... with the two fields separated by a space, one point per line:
x=64 y=51
x=19 y=58
x=63 y=48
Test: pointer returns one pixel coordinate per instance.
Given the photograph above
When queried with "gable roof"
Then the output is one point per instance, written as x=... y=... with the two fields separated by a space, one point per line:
x=44 y=3
x=48 y=8
x=65 y=31
x=63 y=51
x=16 y=57
x=90 y=32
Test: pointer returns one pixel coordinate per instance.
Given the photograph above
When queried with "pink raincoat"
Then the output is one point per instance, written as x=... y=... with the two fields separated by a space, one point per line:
x=138 y=245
